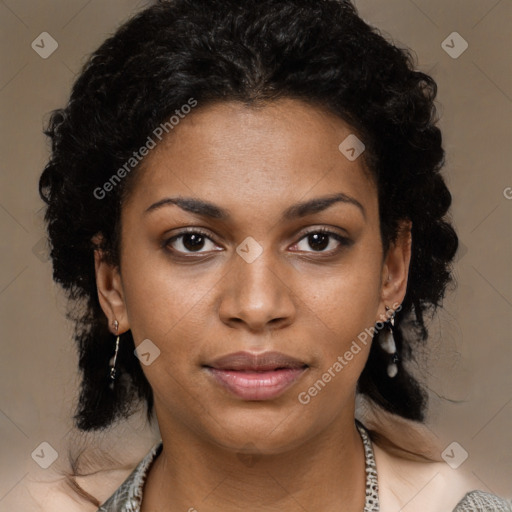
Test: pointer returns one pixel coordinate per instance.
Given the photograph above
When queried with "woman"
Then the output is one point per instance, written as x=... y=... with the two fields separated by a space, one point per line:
x=245 y=199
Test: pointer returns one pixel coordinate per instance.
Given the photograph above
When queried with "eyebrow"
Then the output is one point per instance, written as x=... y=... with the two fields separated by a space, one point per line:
x=207 y=209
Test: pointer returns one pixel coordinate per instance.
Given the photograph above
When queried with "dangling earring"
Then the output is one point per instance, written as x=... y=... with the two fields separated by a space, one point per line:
x=114 y=358
x=387 y=343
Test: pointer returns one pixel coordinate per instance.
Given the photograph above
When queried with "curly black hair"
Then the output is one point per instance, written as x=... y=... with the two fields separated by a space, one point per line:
x=250 y=51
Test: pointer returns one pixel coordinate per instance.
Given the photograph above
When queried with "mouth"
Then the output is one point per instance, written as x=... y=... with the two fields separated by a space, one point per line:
x=256 y=377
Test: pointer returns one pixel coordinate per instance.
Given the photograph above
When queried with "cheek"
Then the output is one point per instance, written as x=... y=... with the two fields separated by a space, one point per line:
x=340 y=354
x=341 y=315
x=347 y=300
x=159 y=300
x=167 y=310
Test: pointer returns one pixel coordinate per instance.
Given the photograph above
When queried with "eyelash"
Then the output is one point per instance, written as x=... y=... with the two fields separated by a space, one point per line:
x=343 y=241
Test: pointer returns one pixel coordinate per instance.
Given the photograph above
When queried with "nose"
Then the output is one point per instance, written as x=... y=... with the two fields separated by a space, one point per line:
x=256 y=295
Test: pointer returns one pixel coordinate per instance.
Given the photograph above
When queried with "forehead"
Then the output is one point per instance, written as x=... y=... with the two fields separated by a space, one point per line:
x=278 y=152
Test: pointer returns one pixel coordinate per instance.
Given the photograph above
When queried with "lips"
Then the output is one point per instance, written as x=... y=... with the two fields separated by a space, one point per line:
x=256 y=376
x=266 y=361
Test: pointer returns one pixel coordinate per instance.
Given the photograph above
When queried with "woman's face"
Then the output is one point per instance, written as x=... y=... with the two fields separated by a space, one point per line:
x=242 y=268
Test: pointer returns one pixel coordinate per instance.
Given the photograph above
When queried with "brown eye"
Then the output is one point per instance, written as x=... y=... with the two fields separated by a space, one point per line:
x=322 y=241
x=190 y=242
x=318 y=241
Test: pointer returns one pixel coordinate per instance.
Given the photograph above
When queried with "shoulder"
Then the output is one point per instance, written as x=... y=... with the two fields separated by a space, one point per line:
x=479 y=500
x=411 y=473
x=93 y=478
x=58 y=493
x=129 y=494
x=411 y=485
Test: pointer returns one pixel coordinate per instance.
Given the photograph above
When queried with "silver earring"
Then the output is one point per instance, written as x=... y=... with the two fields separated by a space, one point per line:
x=114 y=358
x=387 y=343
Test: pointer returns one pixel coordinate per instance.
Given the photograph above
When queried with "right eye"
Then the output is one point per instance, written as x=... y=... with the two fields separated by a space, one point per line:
x=189 y=242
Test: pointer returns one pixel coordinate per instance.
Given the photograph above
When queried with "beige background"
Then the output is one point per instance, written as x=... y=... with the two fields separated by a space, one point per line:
x=468 y=369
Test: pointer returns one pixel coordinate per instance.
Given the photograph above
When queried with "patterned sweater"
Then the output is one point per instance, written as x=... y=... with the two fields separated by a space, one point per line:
x=128 y=497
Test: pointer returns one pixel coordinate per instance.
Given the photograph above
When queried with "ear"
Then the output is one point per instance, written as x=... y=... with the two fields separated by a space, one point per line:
x=395 y=270
x=110 y=290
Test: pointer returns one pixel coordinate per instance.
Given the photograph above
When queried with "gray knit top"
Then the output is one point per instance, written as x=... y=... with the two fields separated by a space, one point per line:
x=128 y=497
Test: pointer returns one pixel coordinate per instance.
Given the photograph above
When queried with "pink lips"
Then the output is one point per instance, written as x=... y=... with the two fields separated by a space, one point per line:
x=256 y=376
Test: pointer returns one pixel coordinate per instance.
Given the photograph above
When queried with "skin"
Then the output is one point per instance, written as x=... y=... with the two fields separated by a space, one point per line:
x=311 y=305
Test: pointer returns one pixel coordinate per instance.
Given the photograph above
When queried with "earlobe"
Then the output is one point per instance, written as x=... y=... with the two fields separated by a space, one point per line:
x=395 y=270
x=110 y=292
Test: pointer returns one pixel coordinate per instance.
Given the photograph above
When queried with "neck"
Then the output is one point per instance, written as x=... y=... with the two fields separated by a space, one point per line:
x=325 y=473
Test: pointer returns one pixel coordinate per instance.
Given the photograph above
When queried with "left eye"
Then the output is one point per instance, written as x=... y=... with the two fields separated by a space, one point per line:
x=319 y=241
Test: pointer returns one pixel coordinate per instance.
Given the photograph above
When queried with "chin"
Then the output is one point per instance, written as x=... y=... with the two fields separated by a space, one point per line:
x=267 y=432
